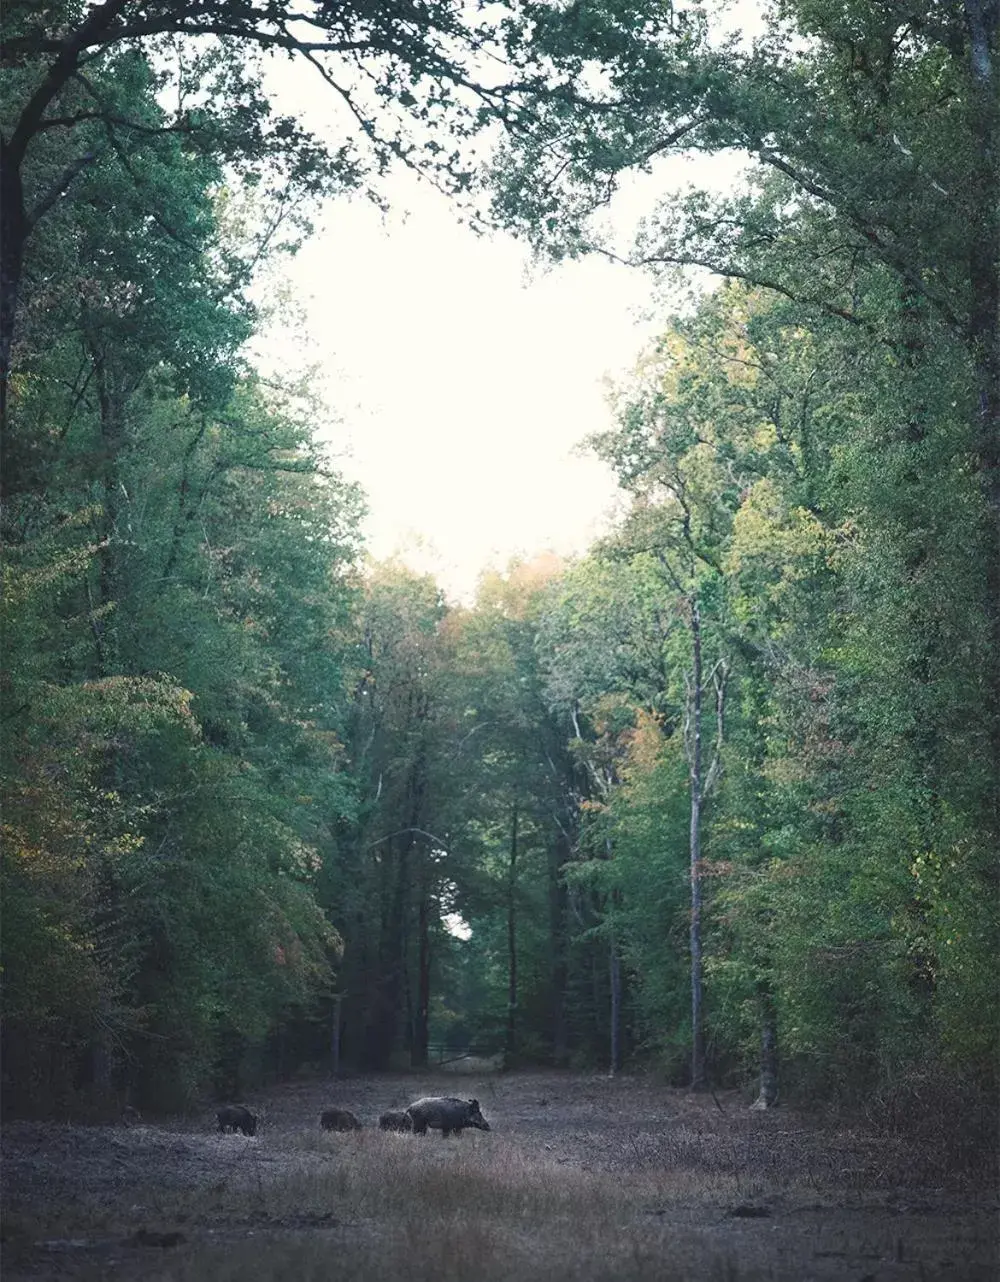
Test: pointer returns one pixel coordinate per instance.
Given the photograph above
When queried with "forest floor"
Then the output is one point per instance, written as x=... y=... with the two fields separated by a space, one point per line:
x=581 y=1178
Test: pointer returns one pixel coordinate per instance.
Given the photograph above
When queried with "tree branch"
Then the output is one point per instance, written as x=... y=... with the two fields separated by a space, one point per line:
x=731 y=271
x=720 y=675
x=68 y=122
x=59 y=188
x=92 y=29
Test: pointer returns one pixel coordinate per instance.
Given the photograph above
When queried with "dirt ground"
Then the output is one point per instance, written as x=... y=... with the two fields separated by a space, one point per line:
x=580 y=1177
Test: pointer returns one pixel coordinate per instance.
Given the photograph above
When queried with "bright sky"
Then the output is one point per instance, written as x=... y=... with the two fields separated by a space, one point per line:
x=464 y=385
x=463 y=381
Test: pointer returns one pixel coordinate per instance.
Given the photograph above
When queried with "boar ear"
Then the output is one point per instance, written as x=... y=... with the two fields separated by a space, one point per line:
x=474 y=1103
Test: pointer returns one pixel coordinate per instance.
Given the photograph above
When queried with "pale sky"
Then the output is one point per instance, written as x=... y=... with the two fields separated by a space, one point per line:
x=462 y=380
x=462 y=385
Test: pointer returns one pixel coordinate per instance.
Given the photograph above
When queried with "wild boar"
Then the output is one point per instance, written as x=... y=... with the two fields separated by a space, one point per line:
x=234 y=1117
x=446 y=1114
x=339 y=1119
x=395 y=1120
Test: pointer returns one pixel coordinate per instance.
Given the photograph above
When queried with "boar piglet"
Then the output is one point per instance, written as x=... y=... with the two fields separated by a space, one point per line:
x=339 y=1119
x=395 y=1120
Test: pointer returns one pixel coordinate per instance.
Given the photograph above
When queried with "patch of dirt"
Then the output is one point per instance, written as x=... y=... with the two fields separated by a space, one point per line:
x=768 y=1194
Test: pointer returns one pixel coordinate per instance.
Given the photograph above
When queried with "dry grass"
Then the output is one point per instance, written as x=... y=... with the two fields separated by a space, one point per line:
x=580 y=1179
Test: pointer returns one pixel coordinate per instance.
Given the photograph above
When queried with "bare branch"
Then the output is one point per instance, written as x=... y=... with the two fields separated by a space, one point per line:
x=422 y=832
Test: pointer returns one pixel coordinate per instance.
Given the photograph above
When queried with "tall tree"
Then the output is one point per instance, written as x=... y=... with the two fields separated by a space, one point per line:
x=523 y=744
x=872 y=195
x=182 y=677
x=397 y=853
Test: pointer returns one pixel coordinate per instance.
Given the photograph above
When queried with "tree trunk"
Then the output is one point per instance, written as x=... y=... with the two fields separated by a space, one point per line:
x=105 y=624
x=15 y=222
x=614 y=974
x=421 y=1033
x=397 y=986
x=559 y=853
x=983 y=22
x=510 y=1055
x=616 y=1004
x=398 y=993
x=697 y=1028
x=335 y=1036
x=112 y=411
x=13 y=232
x=381 y=1007
x=768 y=1096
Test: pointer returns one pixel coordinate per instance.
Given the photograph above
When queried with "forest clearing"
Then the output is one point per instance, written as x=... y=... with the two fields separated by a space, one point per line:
x=581 y=1177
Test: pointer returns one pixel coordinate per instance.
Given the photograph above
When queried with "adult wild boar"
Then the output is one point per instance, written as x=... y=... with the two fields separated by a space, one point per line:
x=339 y=1119
x=446 y=1114
x=234 y=1117
x=395 y=1120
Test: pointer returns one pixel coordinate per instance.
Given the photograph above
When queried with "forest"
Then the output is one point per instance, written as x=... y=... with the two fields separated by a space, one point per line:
x=718 y=799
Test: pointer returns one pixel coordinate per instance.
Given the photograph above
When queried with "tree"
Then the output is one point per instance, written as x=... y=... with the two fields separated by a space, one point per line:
x=843 y=582
x=672 y=454
x=601 y=644
x=872 y=196
x=520 y=744
x=389 y=880
x=171 y=799
x=409 y=86
x=178 y=553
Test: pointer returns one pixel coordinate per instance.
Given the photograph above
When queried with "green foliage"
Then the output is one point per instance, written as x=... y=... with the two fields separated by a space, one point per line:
x=178 y=595
x=840 y=538
x=648 y=818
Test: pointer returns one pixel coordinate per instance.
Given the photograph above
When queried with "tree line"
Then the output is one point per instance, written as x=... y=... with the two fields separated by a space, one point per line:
x=719 y=796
